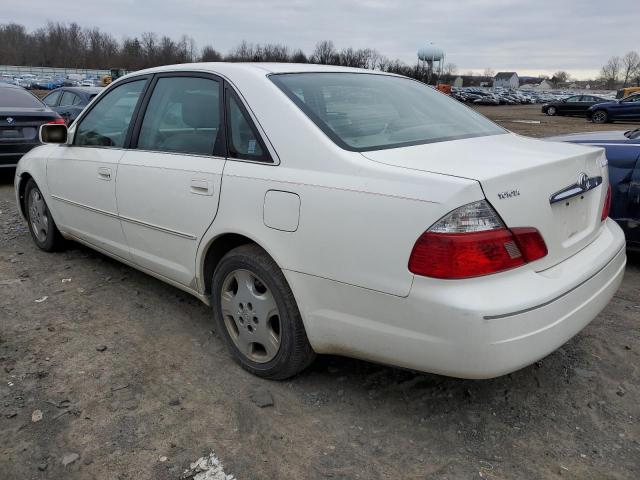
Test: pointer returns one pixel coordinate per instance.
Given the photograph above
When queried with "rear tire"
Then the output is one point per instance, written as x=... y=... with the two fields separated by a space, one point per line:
x=257 y=316
x=599 y=116
x=42 y=227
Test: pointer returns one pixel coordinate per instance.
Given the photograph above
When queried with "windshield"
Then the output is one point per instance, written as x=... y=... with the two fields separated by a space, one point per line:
x=362 y=112
x=18 y=98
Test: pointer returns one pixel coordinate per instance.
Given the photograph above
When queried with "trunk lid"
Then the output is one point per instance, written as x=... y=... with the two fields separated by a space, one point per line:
x=519 y=176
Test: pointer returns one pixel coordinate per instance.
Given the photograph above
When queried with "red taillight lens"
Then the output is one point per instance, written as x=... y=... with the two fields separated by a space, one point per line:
x=57 y=121
x=607 y=205
x=473 y=254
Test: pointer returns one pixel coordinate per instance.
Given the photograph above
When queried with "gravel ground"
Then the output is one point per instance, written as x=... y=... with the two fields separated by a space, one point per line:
x=108 y=373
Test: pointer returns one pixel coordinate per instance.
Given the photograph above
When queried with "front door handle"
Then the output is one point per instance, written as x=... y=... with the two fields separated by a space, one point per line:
x=104 y=173
x=201 y=187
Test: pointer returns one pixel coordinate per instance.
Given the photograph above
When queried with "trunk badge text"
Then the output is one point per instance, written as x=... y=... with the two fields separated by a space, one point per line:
x=583 y=184
x=509 y=194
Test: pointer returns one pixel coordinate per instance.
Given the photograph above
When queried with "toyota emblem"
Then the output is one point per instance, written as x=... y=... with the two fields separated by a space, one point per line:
x=583 y=181
x=10 y=120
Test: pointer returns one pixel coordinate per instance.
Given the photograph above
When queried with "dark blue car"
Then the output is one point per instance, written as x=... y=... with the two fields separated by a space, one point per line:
x=623 y=153
x=625 y=109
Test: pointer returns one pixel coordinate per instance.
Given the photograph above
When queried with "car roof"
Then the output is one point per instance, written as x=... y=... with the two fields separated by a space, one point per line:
x=87 y=90
x=234 y=68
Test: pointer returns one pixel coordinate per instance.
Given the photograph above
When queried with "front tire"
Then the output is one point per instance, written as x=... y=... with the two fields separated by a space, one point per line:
x=599 y=116
x=551 y=111
x=43 y=229
x=257 y=316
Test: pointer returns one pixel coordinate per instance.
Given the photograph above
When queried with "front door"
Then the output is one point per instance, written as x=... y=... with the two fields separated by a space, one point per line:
x=82 y=176
x=169 y=182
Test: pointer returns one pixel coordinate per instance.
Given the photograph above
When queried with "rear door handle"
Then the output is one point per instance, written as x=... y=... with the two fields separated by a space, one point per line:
x=200 y=186
x=104 y=173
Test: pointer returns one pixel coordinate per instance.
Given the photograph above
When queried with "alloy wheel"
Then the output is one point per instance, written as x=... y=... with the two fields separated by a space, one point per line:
x=599 y=117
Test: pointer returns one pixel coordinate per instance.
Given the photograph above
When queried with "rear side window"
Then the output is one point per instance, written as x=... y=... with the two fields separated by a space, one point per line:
x=107 y=123
x=68 y=99
x=52 y=99
x=18 y=98
x=243 y=139
x=183 y=115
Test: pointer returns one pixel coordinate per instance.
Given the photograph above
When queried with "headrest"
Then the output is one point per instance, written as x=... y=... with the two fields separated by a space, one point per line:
x=200 y=110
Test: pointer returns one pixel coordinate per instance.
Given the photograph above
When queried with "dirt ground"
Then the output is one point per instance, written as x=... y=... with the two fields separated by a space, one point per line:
x=133 y=383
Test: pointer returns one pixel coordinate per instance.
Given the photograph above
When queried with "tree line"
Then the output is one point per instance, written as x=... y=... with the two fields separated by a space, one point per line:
x=72 y=46
x=623 y=70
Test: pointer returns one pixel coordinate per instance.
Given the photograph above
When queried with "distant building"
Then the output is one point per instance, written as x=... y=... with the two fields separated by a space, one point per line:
x=506 y=80
x=458 y=82
x=544 y=85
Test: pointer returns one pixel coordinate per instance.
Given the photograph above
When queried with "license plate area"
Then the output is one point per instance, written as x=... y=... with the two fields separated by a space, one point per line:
x=572 y=217
x=9 y=134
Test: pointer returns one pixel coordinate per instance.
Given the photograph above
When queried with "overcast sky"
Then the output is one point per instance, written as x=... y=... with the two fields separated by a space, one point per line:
x=530 y=37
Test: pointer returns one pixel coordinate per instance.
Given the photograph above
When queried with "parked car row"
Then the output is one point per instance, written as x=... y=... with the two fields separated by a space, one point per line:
x=48 y=82
x=595 y=108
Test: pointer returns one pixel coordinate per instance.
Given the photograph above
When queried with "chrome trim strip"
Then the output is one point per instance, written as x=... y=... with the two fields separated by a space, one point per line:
x=158 y=228
x=127 y=219
x=526 y=310
x=584 y=185
x=86 y=207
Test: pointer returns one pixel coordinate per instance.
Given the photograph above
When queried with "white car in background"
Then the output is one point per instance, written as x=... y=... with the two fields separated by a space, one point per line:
x=332 y=210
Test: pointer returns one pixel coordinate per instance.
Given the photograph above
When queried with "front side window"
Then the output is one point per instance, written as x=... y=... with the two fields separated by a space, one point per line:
x=574 y=99
x=107 y=123
x=183 y=116
x=363 y=112
x=244 y=142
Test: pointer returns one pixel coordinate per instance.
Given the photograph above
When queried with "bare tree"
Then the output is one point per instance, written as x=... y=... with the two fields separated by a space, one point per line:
x=610 y=72
x=324 y=53
x=630 y=67
x=560 y=77
x=488 y=72
x=210 y=54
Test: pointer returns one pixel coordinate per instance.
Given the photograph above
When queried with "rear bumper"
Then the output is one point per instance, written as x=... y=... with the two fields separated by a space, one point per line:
x=476 y=328
x=10 y=154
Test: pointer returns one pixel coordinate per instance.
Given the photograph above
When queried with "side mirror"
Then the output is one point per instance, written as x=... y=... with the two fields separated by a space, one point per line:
x=53 y=133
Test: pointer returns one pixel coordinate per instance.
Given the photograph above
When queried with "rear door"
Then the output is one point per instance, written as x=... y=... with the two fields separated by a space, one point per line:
x=572 y=105
x=169 y=182
x=82 y=176
x=68 y=106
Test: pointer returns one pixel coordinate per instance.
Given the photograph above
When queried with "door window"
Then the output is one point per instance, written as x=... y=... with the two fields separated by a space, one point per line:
x=574 y=99
x=107 y=123
x=183 y=116
x=244 y=142
x=52 y=99
x=69 y=99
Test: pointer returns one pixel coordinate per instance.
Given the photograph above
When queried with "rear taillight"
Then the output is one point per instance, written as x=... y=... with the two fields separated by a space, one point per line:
x=473 y=241
x=57 y=121
x=607 y=205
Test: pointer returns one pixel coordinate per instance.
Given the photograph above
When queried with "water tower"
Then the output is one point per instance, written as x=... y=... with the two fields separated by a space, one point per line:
x=432 y=58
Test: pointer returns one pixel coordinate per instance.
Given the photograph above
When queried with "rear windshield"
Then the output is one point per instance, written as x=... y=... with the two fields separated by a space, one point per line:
x=18 y=98
x=362 y=112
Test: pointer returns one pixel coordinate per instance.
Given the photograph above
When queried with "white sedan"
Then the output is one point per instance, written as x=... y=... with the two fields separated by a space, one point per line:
x=333 y=210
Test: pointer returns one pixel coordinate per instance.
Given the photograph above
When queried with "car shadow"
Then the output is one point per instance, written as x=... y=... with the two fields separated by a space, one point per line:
x=6 y=175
